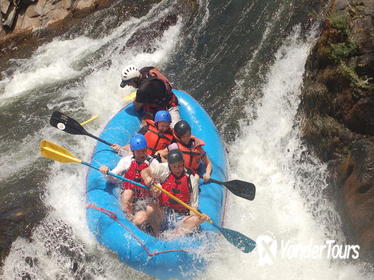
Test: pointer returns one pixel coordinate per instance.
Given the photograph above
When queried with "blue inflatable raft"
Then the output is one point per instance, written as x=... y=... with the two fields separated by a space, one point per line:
x=182 y=258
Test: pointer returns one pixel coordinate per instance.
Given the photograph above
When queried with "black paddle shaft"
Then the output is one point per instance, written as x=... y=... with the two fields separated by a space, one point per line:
x=69 y=125
x=240 y=188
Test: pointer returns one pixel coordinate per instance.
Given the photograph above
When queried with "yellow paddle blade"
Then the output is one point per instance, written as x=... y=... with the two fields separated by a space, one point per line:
x=130 y=97
x=53 y=151
x=89 y=120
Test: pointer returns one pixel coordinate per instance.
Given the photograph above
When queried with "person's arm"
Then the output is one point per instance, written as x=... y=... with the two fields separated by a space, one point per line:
x=145 y=70
x=208 y=170
x=143 y=130
x=122 y=166
x=155 y=173
x=163 y=154
x=138 y=106
x=194 y=201
x=105 y=169
x=122 y=150
x=141 y=96
x=146 y=174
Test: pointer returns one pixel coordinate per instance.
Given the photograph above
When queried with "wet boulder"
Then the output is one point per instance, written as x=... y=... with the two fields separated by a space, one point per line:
x=337 y=115
x=357 y=183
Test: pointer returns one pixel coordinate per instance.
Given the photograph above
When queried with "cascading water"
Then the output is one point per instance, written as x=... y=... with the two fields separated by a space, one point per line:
x=267 y=153
x=241 y=62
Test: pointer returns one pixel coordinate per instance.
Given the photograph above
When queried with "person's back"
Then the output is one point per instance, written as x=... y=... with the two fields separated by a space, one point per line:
x=153 y=95
x=150 y=71
x=154 y=92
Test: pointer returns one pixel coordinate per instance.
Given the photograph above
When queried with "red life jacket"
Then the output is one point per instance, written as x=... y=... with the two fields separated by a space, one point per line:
x=133 y=173
x=158 y=75
x=170 y=101
x=156 y=140
x=180 y=187
x=148 y=72
x=192 y=155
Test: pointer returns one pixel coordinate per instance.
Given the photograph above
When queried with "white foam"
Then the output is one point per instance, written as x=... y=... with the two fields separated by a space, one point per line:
x=264 y=155
x=260 y=156
x=55 y=62
x=104 y=83
x=50 y=64
x=65 y=190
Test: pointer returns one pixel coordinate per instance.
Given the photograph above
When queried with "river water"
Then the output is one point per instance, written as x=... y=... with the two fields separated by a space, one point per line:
x=244 y=61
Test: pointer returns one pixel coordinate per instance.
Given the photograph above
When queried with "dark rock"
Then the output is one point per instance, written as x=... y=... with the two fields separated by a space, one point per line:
x=341 y=4
x=365 y=64
x=337 y=114
x=32 y=12
x=16 y=222
x=29 y=261
x=39 y=7
x=9 y=20
x=86 y=4
x=357 y=181
x=67 y=4
x=4 y=6
x=362 y=31
x=57 y=15
x=146 y=37
x=361 y=116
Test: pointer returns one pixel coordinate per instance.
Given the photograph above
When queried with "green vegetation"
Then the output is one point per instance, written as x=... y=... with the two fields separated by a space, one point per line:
x=339 y=46
x=355 y=81
x=340 y=23
x=337 y=52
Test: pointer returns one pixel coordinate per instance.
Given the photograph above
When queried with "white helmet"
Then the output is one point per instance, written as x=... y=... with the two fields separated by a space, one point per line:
x=128 y=73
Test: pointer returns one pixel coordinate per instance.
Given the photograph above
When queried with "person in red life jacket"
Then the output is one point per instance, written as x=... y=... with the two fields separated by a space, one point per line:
x=137 y=203
x=192 y=149
x=157 y=133
x=154 y=91
x=181 y=182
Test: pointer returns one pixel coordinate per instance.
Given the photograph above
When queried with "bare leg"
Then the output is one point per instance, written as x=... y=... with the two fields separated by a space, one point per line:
x=127 y=198
x=140 y=218
x=152 y=215
x=155 y=217
x=187 y=225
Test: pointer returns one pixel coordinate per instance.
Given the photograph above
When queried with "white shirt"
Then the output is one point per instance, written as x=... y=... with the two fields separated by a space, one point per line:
x=161 y=171
x=123 y=165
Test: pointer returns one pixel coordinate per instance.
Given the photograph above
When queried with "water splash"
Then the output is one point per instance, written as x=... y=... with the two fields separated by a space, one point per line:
x=267 y=154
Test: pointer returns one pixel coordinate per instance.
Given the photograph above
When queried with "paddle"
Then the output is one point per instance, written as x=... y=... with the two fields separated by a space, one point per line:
x=240 y=188
x=55 y=152
x=69 y=125
x=89 y=120
x=239 y=240
x=130 y=97
x=63 y=122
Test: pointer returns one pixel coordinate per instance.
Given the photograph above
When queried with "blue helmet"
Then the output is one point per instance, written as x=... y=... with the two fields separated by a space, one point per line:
x=138 y=142
x=162 y=116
